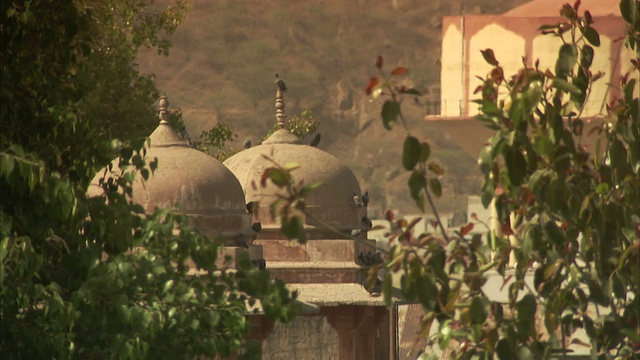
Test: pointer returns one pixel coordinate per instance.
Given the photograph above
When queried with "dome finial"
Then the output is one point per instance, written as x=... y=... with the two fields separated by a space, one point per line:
x=164 y=112
x=280 y=115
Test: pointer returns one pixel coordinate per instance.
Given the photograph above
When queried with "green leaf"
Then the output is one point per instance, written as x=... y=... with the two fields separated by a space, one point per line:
x=565 y=86
x=484 y=159
x=280 y=177
x=554 y=234
x=586 y=56
x=532 y=241
x=387 y=287
x=293 y=229
x=411 y=152
x=435 y=186
x=417 y=184
x=426 y=291
x=602 y=189
x=617 y=285
x=504 y=351
x=597 y=294
x=425 y=151
x=566 y=60
x=543 y=145
x=516 y=166
x=591 y=35
x=390 y=113
x=629 y=11
x=478 y=311
x=629 y=88
x=526 y=314
x=6 y=164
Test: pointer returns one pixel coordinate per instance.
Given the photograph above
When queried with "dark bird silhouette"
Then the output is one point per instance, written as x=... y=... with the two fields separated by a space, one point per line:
x=316 y=140
x=369 y=258
x=367 y=222
x=363 y=259
x=365 y=199
x=281 y=85
x=377 y=258
x=356 y=200
x=252 y=207
x=247 y=144
x=256 y=226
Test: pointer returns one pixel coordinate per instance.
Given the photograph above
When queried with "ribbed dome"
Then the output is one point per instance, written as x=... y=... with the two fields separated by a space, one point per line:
x=195 y=183
x=331 y=203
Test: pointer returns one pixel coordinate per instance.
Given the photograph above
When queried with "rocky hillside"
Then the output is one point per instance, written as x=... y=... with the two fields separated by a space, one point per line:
x=225 y=54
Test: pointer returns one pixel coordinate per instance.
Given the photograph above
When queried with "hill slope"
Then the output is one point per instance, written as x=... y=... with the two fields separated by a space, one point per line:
x=225 y=54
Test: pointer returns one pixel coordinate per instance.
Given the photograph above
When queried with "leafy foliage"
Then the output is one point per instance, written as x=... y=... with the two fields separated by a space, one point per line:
x=289 y=207
x=302 y=126
x=566 y=215
x=95 y=277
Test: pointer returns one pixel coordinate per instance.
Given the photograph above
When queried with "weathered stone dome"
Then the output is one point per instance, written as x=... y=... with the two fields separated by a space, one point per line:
x=331 y=203
x=193 y=182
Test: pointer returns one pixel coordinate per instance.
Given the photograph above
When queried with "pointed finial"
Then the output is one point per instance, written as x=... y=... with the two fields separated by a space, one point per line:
x=164 y=113
x=280 y=115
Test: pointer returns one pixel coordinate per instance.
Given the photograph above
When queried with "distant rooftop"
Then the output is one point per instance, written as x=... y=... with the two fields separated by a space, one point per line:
x=544 y=8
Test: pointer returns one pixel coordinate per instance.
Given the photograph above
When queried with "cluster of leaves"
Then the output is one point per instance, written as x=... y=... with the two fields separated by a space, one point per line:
x=211 y=141
x=566 y=215
x=290 y=204
x=302 y=126
x=94 y=276
x=214 y=140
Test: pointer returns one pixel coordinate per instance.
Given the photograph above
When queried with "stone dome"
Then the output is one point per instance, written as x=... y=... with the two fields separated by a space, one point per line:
x=197 y=184
x=331 y=203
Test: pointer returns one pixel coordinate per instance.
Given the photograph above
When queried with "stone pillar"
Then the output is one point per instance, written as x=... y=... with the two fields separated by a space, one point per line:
x=360 y=331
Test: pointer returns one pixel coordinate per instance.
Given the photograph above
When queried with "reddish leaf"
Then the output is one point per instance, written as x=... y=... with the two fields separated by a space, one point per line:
x=389 y=215
x=506 y=229
x=379 y=62
x=489 y=57
x=588 y=18
x=497 y=75
x=435 y=168
x=576 y=5
x=499 y=191
x=264 y=177
x=399 y=70
x=373 y=82
x=464 y=230
x=505 y=281
x=474 y=216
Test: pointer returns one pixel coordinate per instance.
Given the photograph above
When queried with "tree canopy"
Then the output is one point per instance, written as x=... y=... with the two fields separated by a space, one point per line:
x=72 y=285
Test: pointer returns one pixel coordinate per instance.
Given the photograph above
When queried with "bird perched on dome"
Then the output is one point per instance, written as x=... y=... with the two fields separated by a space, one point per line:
x=281 y=85
x=316 y=140
x=252 y=207
x=367 y=222
x=356 y=200
x=365 y=199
